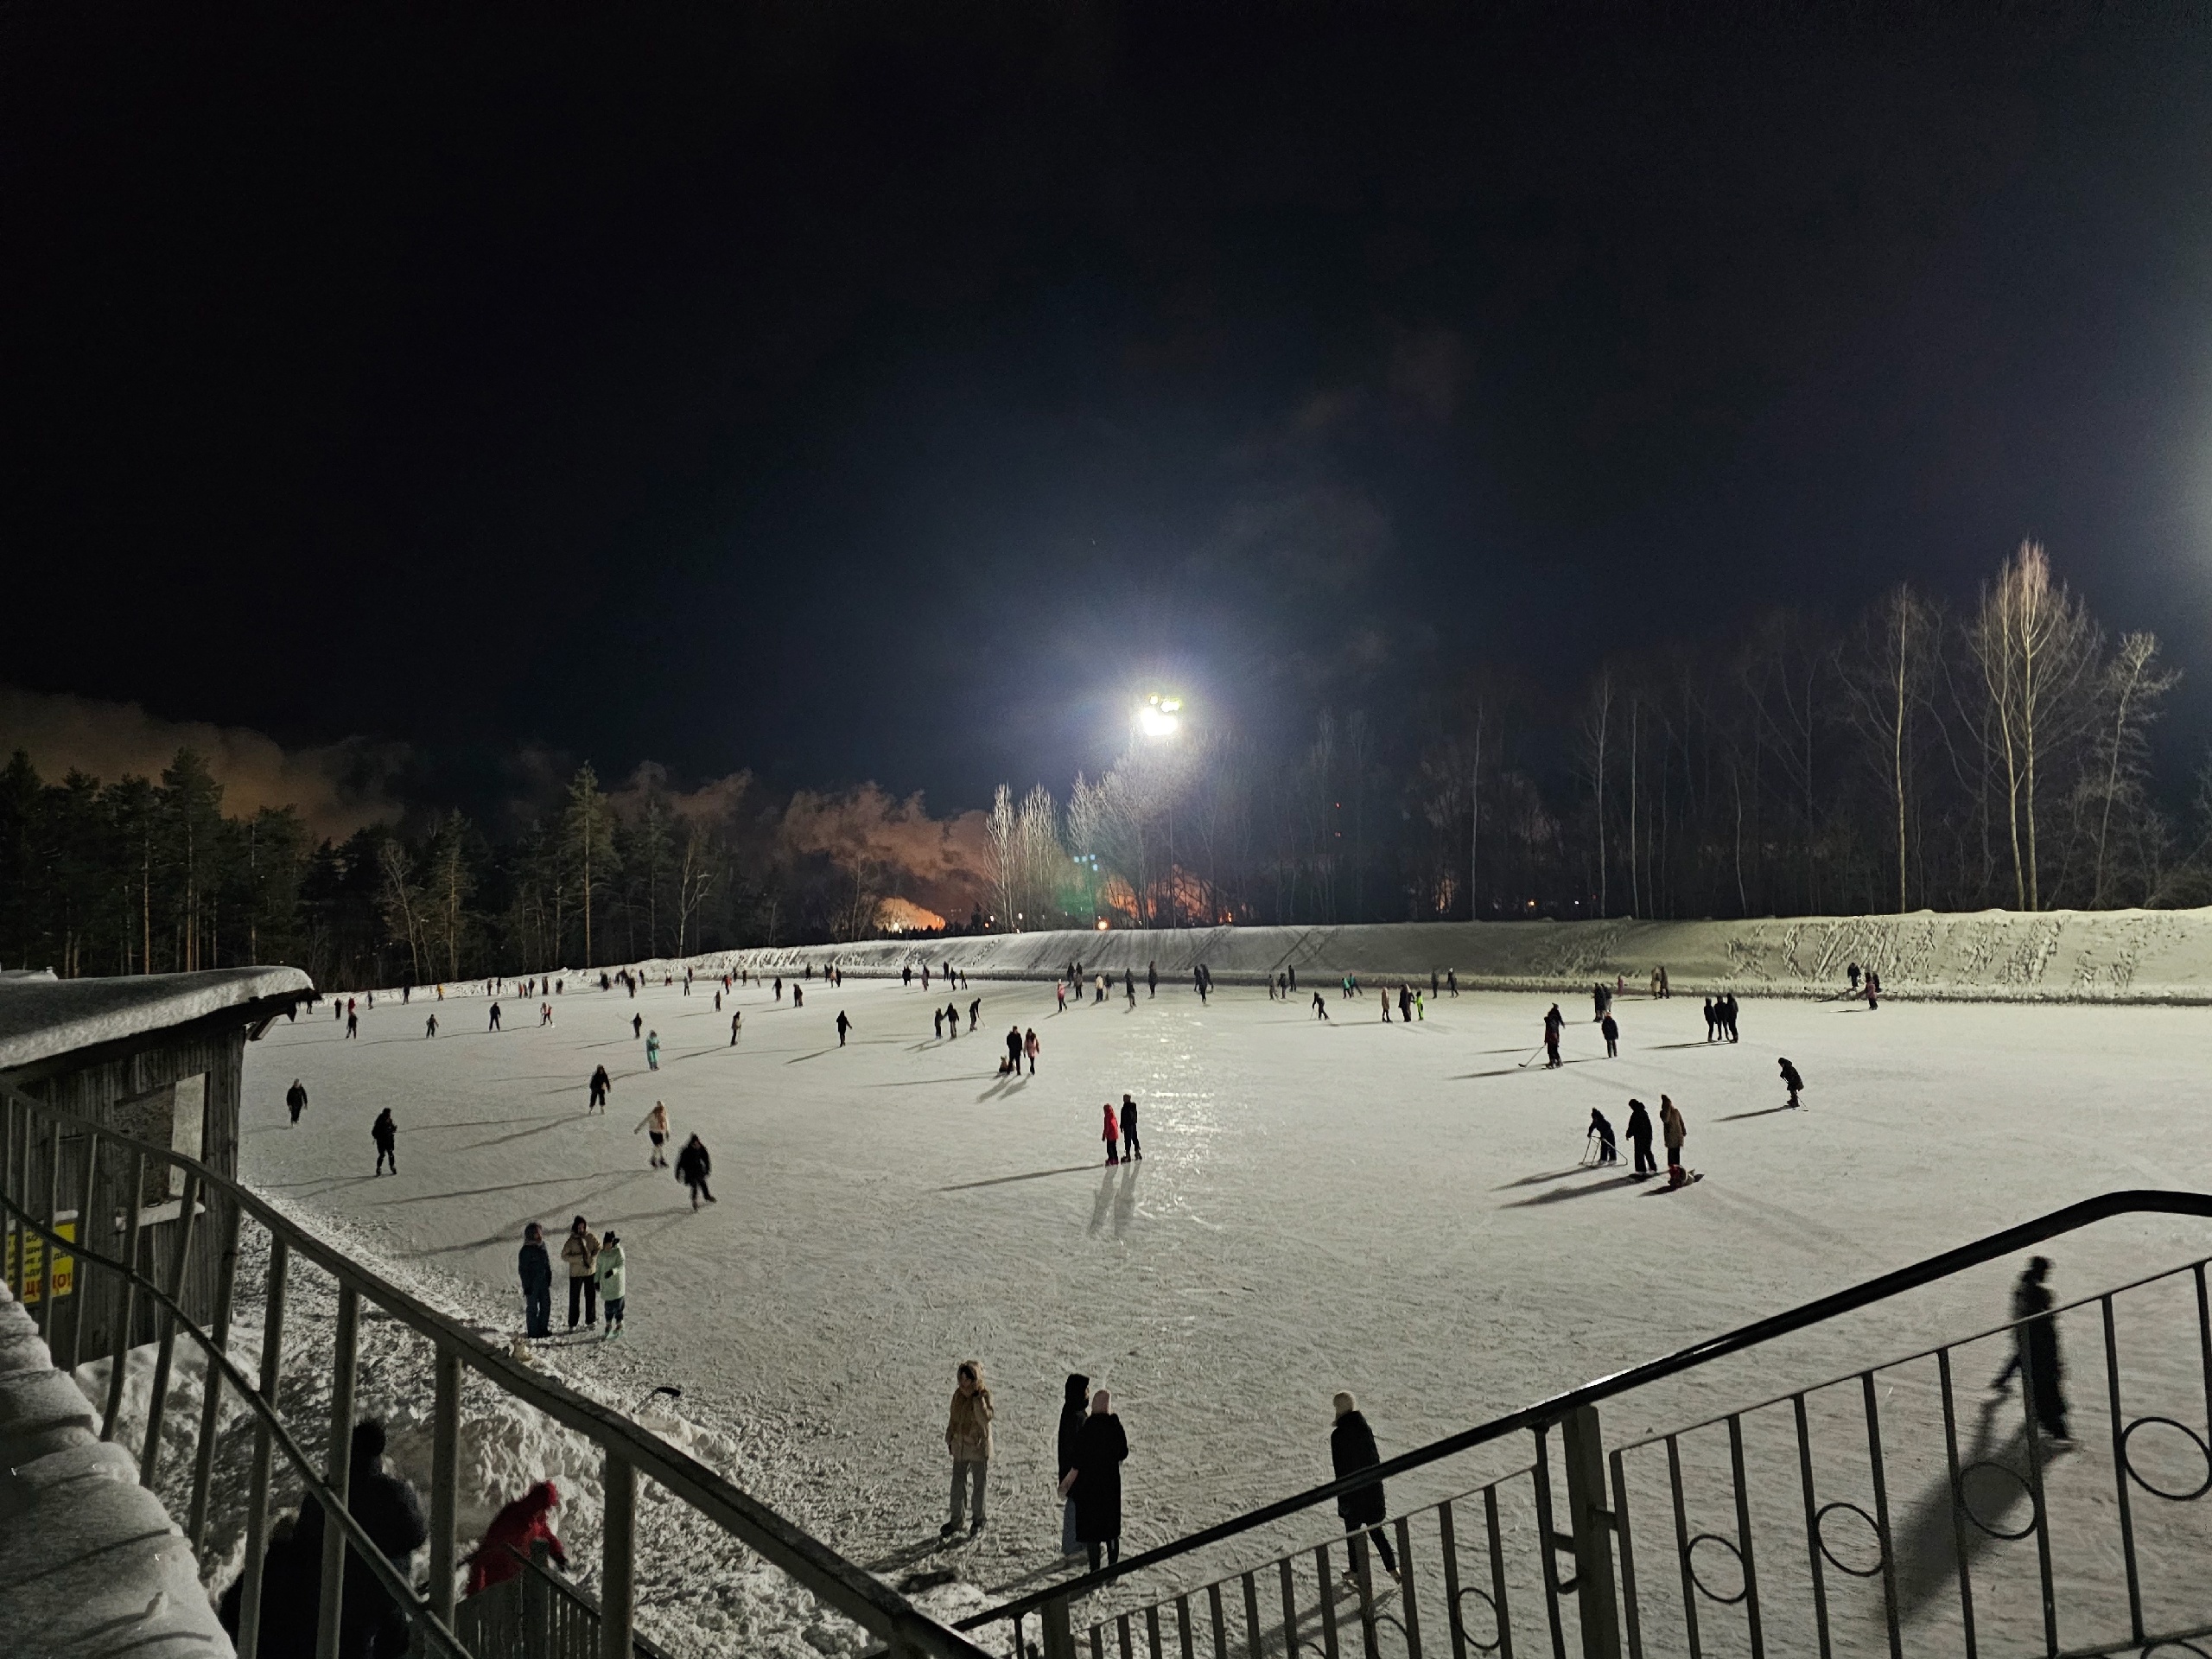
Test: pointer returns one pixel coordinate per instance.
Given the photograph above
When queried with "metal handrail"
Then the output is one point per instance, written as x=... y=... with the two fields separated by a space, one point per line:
x=847 y=1588
x=2131 y=1201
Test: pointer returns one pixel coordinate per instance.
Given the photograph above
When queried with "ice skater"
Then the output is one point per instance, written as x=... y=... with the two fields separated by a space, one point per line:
x=353 y=1024
x=1320 y=1006
x=1792 y=1082
x=1112 y=1135
x=495 y=1017
x=1075 y=1403
x=385 y=1134
x=693 y=1166
x=1555 y=1022
x=637 y=1026
x=736 y=1022
x=968 y=1437
x=654 y=1124
x=430 y=1026
x=937 y=1024
x=1352 y=1448
x=1014 y=1048
x=614 y=1285
x=1029 y=1047
x=844 y=1025
x=653 y=1051
x=1711 y=1021
x=975 y=1013
x=1675 y=1132
x=1601 y=1128
x=1639 y=1136
x=1151 y=979
x=1611 y=1029
x=296 y=1099
x=2036 y=1355
x=1131 y=1151
x=601 y=1084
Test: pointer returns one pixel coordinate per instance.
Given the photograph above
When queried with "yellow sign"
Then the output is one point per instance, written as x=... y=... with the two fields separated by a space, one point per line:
x=65 y=1267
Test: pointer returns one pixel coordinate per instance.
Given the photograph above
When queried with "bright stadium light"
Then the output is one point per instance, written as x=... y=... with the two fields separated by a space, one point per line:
x=1159 y=716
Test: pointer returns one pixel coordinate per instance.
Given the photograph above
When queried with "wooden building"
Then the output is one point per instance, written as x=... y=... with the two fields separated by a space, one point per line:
x=157 y=1057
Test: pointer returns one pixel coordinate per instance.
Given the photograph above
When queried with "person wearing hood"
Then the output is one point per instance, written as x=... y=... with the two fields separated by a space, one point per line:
x=1791 y=1081
x=693 y=1166
x=506 y=1541
x=1352 y=1448
x=1101 y=1448
x=613 y=1282
x=1077 y=1401
x=371 y=1625
x=1675 y=1132
x=580 y=1251
x=535 y=1269
x=968 y=1437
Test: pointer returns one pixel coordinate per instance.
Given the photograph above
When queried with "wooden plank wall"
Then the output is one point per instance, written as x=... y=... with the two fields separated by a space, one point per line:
x=132 y=1097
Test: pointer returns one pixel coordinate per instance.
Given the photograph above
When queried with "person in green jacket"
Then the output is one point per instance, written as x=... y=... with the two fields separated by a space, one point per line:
x=612 y=1288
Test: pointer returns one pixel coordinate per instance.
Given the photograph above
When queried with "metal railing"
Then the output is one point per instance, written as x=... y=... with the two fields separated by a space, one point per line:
x=39 y=1144
x=1814 y=1476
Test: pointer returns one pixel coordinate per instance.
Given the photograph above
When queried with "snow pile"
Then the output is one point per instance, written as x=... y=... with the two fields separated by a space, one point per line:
x=2116 y=955
x=698 y=1591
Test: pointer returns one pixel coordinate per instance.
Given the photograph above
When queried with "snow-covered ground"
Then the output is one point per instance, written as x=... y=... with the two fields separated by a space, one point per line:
x=1320 y=1205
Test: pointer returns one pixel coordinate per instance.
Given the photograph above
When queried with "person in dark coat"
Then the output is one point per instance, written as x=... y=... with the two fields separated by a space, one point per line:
x=1072 y=1409
x=1601 y=1126
x=1100 y=1449
x=600 y=1083
x=1639 y=1134
x=370 y=1625
x=1130 y=1149
x=693 y=1166
x=385 y=1134
x=2037 y=1356
x=535 y=1269
x=1554 y=1019
x=1611 y=1029
x=296 y=1099
x=1791 y=1081
x=1352 y=1448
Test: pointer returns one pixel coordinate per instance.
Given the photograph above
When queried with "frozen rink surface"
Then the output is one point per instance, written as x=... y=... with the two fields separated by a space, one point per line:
x=1346 y=1204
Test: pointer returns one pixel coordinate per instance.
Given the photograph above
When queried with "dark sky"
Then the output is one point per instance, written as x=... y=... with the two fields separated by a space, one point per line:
x=872 y=391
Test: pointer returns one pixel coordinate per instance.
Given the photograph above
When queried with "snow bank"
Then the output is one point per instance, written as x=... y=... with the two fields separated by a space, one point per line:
x=1992 y=955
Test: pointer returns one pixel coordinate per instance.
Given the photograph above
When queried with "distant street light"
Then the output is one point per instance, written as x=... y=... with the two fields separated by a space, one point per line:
x=1159 y=717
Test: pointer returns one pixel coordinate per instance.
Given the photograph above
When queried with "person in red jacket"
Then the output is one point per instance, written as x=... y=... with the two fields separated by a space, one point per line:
x=514 y=1530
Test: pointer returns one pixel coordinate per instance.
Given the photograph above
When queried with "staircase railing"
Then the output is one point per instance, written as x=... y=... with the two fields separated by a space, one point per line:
x=1881 y=1525
x=47 y=1155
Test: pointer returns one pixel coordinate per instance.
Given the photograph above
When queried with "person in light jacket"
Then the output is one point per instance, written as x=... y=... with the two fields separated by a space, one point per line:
x=1673 y=1131
x=968 y=1437
x=614 y=1283
x=1100 y=1451
x=581 y=1251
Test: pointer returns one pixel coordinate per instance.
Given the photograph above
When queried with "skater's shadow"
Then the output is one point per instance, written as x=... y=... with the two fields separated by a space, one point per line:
x=1997 y=1498
x=1764 y=1111
x=1102 y=1203
x=816 y=1055
x=1125 y=1200
x=1709 y=1042
x=1033 y=1175
x=521 y=1134
x=1538 y=1180
x=906 y=1555
x=1561 y=1194
x=1005 y=1085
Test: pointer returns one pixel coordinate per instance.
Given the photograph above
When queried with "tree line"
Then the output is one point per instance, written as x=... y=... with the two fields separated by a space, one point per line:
x=1913 y=759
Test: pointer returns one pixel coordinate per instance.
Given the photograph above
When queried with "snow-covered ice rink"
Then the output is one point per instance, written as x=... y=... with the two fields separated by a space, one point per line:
x=1349 y=1205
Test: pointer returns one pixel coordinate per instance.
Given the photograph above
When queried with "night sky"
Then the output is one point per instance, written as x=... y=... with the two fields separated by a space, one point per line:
x=885 y=391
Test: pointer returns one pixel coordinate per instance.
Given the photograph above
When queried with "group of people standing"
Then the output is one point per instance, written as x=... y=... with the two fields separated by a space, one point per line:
x=597 y=1273
x=1720 y=1017
x=1120 y=1134
x=1092 y=1446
